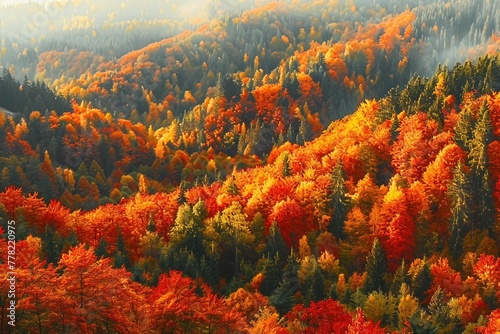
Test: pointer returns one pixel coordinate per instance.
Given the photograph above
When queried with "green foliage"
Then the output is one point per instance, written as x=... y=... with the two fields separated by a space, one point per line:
x=229 y=235
x=272 y=269
x=283 y=296
x=421 y=282
x=461 y=220
x=376 y=268
x=22 y=100
x=52 y=244
x=400 y=278
x=188 y=229
x=286 y=166
x=275 y=244
x=338 y=201
x=442 y=316
x=121 y=255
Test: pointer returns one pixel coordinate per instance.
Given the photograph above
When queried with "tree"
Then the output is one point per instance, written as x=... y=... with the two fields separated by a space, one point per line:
x=484 y=217
x=174 y=304
x=493 y=323
x=408 y=305
x=380 y=308
x=35 y=282
x=421 y=279
x=275 y=244
x=92 y=296
x=361 y=325
x=400 y=278
x=229 y=232
x=326 y=316
x=230 y=88
x=446 y=279
x=286 y=171
x=188 y=229
x=292 y=219
x=397 y=227
x=283 y=296
x=121 y=256
x=460 y=194
x=442 y=317
x=267 y=321
x=338 y=201
x=247 y=303
x=376 y=268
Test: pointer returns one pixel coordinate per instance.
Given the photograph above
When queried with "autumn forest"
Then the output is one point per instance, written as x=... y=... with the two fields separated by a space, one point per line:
x=250 y=166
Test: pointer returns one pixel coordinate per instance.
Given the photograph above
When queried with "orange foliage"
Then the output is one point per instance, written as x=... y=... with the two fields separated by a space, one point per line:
x=413 y=150
x=493 y=324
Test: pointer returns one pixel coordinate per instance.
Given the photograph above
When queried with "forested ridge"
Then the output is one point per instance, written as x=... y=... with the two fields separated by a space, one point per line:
x=255 y=169
x=369 y=214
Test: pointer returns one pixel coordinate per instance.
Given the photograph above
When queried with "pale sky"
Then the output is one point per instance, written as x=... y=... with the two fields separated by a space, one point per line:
x=8 y=2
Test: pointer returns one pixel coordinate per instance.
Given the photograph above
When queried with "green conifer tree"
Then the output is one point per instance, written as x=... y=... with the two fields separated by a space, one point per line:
x=376 y=267
x=286 y=171
x=461 y=219
x=338 y=201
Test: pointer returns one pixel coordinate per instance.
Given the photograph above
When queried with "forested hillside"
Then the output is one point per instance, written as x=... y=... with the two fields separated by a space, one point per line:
x=370 y=214
x=261 y=167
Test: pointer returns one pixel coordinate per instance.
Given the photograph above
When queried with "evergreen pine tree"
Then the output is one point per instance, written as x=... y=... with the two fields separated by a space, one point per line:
x=484 y=217
x=400 y=278
x=283 y=296
x=232 y=188
x=338 y=201
x=182 y=192
x=272 y=268
x=422 y=281
x=460 y=194
x=102 y=249
x=463 y=129
x=188 y=230
x=316 y=284
x=121 y=255
x=376 y=268
x=52 y=244
x=442 y=317
x=275 y=244
x=151 y=224
x=286 y=171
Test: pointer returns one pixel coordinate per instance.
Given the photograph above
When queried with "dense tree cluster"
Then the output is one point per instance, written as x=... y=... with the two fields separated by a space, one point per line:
x=22 y=99
x=285 y=74
x=262 y=167
x=388 y=221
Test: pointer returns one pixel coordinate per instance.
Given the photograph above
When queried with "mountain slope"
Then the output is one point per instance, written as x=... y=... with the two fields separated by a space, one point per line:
x=373 y=208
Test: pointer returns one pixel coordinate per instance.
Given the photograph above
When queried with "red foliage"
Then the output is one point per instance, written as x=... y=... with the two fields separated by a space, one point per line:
x=90 y=295
x=396 y=228
x=487 y=270
x=176 y=307
x=445 y=277
x=292 y=220
x=412 y=152
x=323 y=317
x=361 y=325
x=494 y=109
x=436 y=178
x=58 y=216
x=12 y=199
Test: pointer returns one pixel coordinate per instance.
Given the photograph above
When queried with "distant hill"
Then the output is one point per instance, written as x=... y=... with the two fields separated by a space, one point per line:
x=7 y=112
